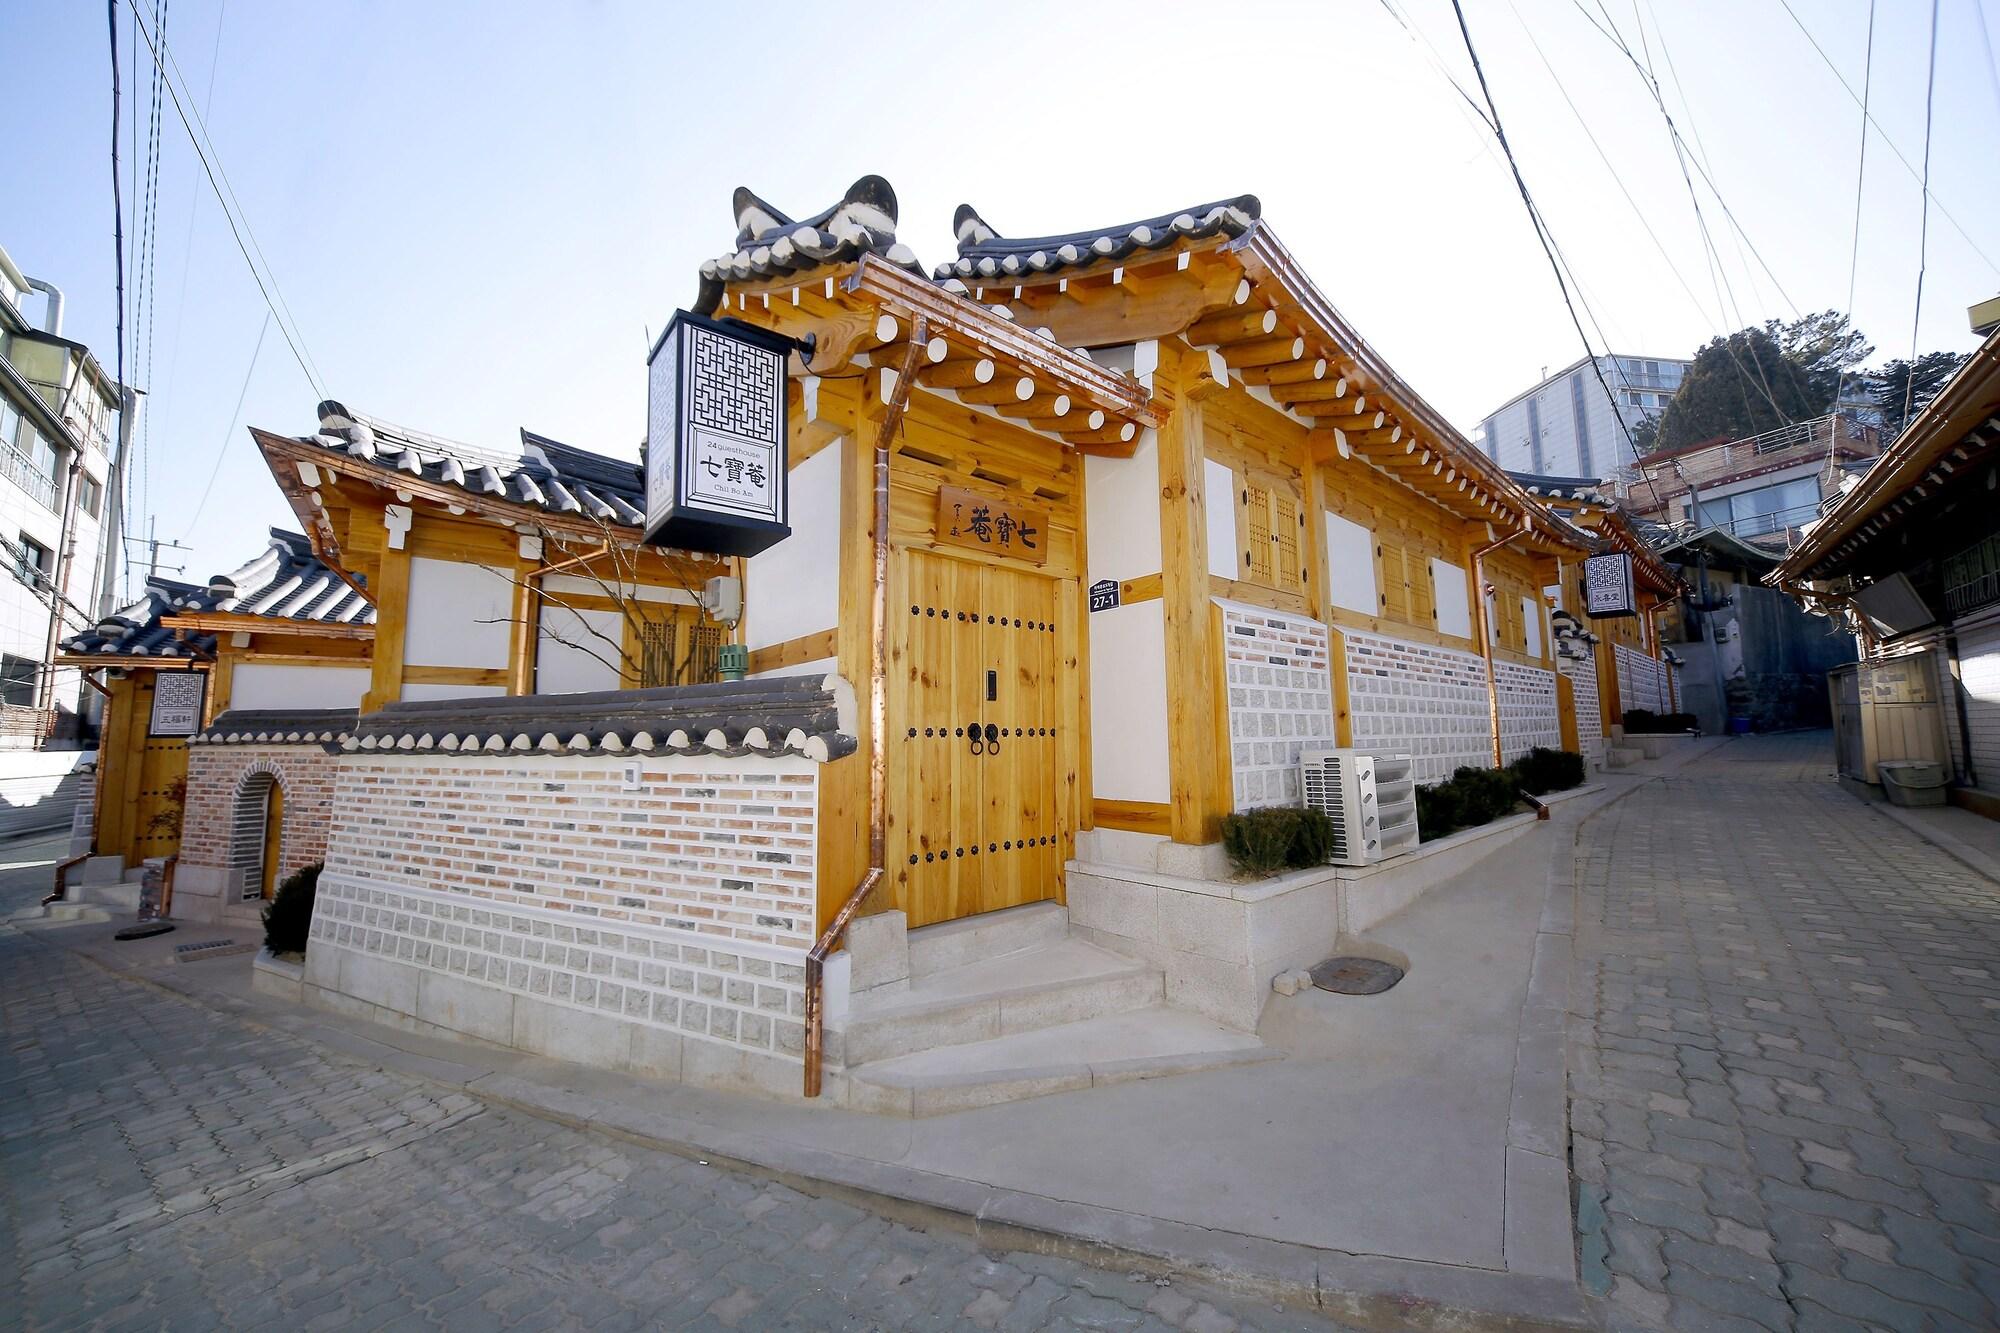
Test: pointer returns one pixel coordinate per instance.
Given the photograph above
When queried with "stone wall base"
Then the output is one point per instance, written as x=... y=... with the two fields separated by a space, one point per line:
x=417 y=999
x=211 y=895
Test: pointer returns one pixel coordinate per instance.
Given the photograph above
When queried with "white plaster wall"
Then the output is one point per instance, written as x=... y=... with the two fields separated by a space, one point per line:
x=458 y=614
x=1128 y=703
x=825 y=666
x=1122 y=511
x=1219 y=488
x=793 y=588
x=1454 y=600
x=428 y=692
x=1350 y=564
x=570 y=657
x=271 y=685
x=1531 y=617
x=563 y=585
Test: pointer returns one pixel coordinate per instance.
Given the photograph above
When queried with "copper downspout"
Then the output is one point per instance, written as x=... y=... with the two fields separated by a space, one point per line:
x=1486 y=628
x=878 y=720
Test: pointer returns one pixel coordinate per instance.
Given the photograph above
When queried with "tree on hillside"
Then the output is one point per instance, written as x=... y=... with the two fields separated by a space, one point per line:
x=1826 y=347
x=1741 y=385
x=1911 y=383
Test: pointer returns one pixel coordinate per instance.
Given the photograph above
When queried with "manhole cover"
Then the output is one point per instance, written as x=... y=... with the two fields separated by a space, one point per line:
x=1356 y=976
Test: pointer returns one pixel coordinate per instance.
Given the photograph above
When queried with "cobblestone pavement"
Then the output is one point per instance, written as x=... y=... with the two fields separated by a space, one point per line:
x=162 y=1166
x=1787 y=1111
x=28 y=869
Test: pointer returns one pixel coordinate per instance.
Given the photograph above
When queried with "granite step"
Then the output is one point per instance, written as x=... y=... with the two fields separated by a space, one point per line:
x=1154 y=1042
x=1061 y=982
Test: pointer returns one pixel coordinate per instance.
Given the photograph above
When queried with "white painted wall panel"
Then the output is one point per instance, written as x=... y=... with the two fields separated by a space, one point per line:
x=429 y=692
x=825 y=666
x=1531 y=617
x=1122 y=511
x=458 y=614
x=1219 y=484
x=1128 y=703
x=1979 y=667
x=793 y=588
x=1350 y=561
x=271 y=685
x=570 y=655
x=1454 y=600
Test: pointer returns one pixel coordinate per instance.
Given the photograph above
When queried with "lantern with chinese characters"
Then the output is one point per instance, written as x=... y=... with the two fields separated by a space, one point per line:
x=1607 y=586
x=715 y=437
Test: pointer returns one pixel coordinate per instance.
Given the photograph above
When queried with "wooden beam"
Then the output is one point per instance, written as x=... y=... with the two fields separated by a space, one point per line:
x=1232 y=326
x=1302 y=371
x=1264 y=352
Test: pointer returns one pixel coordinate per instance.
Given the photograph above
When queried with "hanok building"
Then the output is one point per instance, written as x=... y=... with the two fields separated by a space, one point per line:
x=1109 y=526
x=1616 y=663
x=282 y=634
x=1909 y=559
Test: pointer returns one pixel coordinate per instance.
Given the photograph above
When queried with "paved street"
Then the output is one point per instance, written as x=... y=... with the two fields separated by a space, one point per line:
x=1788 y=1112
x=163 y=1167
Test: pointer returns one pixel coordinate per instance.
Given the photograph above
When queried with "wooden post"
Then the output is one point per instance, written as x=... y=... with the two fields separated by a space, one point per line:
x=1566 y=712
x=1196 y=734
x=392 y=604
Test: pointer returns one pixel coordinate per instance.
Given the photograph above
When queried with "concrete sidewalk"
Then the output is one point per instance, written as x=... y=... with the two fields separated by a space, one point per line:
x=1405 y=1159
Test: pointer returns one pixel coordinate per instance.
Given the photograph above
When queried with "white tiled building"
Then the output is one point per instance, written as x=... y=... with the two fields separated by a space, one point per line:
x=1566 y=426
x=58 y=415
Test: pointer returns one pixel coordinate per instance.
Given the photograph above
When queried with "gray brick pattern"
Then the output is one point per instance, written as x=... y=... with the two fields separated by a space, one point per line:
x=1415 y=699
x=1786 y=1070
x=163 y=1166
x=1280 y=700
x=1642 y=681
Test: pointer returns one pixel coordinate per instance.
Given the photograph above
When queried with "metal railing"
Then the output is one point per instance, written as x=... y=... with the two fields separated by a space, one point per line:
x=20 y=469
x=1800 y=442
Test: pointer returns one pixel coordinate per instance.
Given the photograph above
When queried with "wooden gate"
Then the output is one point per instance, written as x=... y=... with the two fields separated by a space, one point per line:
x=973 y=713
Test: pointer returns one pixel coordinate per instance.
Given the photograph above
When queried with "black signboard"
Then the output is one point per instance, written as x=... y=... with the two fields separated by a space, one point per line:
x=1104 y=594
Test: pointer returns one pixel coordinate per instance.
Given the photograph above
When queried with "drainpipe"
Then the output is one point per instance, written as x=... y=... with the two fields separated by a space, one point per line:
x=1486 y=628
x=878 y=720
x=52 y=318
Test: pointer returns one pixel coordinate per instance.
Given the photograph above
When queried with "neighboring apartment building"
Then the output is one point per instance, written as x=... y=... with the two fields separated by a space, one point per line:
x=1764 y=489
x=57 y=412
x=1566 y=426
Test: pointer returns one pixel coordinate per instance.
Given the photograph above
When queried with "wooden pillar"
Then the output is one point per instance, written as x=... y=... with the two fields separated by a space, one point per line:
x=1197 y=731
x=1566 y=713
x=843 y=784
x=392 y=604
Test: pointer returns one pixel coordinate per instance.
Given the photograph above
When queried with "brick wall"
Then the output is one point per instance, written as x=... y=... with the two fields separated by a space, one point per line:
x=687 y=903
x=1280 y=700
x=1413 y=698
x=1527 y=710
x=1642 y=681
x=223 y=827
x=1589 y=708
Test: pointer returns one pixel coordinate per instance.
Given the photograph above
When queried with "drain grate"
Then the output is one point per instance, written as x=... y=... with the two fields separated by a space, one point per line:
x=1356 y=976
x=194 y=953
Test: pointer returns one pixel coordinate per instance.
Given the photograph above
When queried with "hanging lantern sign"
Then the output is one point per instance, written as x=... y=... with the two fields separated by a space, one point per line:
x=1607 y=586
x=715 y=437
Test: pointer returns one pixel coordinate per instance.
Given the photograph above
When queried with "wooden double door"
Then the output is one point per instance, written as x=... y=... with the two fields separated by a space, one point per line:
x=973 y=752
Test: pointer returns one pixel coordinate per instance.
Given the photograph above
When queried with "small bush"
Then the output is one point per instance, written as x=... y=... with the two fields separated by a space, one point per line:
x=288 y=916
x=1488 y=793
x=1263 y=842
x=1542 y=770
x=1439 y=810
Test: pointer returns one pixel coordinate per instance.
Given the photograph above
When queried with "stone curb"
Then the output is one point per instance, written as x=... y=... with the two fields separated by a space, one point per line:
x=1964 y=853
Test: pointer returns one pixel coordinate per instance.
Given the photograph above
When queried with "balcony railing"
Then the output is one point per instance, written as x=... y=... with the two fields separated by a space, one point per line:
x=1798 y=443
x=22 y=470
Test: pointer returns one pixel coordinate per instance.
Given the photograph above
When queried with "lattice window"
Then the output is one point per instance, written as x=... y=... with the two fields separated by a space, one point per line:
x=675 y=652
x=1271 y=534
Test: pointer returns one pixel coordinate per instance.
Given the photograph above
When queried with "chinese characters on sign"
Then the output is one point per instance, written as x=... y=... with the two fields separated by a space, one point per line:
x=1002 y=527
x=1607 y=586
x=177 y=699
x=715 y=444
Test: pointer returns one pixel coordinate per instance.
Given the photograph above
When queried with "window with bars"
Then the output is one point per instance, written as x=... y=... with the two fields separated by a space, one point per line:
x=1972 y=577
x=1272 y=531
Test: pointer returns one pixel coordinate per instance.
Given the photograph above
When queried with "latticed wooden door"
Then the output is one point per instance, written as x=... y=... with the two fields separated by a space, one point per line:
x=972 y=738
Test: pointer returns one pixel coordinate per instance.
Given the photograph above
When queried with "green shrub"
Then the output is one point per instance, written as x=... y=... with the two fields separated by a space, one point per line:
x=1542 y=770
x=1439 y=810
x=288 y=916
x=1488 y=793
x=1263 y=842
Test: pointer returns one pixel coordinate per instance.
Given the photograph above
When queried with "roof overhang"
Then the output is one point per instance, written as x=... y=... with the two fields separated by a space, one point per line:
x=230 y=622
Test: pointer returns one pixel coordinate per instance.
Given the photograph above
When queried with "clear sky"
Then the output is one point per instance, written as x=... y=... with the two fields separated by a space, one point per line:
x=477 y=211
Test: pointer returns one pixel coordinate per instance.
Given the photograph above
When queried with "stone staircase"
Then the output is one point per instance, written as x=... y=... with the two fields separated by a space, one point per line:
x=1007 y=1006
x=95 y=895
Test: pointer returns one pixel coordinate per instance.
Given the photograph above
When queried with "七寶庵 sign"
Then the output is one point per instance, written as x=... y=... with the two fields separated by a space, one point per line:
x=1607 y=586
x=715 y=437
x=177 y=700
x=1002 y=527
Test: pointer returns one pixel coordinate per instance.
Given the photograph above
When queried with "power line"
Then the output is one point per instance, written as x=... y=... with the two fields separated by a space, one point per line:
x=1542 y=235
x=187 y=238
x=212 y=169
x=1923 y=177
x=1860 y=175
x=1923 y=226
x=118 y=241
x=229 y=432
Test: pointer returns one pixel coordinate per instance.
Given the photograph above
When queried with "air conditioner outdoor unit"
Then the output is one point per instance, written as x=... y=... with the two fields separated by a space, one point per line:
x=1371 y=799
